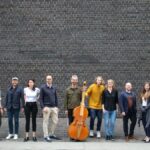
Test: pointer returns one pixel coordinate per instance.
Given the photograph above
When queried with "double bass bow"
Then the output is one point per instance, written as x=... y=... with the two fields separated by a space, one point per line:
x=78 y=129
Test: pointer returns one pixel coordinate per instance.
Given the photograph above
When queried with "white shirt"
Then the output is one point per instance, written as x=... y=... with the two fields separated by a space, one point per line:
x=31 y=95
x=144 y=103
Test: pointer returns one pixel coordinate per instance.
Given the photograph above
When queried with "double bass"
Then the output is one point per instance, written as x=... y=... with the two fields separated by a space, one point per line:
x=78 y=129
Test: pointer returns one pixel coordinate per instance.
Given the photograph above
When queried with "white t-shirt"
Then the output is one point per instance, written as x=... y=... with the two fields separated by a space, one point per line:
x=144 y=103
x=31 y=95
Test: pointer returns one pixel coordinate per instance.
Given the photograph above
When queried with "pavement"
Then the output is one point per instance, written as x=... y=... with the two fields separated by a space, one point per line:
x=66 y=144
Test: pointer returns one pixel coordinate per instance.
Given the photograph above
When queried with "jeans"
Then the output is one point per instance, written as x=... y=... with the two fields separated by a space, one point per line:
x=133 y=118
x=109 y=122
x=93 y=114
x=31 y=109
x=13 y=114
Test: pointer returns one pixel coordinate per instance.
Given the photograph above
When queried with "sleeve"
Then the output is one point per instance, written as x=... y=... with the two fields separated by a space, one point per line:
x=6 y=100
x=89 y=91
x=103 y=98
x=66 y=100
x=41 y=98
x=121 y=99
x=117 y=97
x=38 y=93
x=22 y=98
x=56 y=98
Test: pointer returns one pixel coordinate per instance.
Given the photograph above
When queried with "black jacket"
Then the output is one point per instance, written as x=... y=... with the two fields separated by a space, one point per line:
x=48 y=96
x=14 y=98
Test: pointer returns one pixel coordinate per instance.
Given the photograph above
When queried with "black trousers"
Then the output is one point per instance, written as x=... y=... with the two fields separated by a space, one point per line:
x=133 y=119
x=70 y=116
x=31 y=110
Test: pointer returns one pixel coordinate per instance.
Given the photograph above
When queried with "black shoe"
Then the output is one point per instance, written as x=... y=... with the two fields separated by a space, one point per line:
x=26 y=139
x=47 y=139
x=34 y=139
x=112 y=138
x=107 y=137
x=54 y=137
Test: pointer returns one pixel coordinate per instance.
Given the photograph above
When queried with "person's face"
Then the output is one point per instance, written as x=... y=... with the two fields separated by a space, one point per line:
x=49 y=79
x=147 y=87
x=110 y=84
x=31 y=83
x=98 y=80
x=15 y=82
x=74 y=81
x=128 y=86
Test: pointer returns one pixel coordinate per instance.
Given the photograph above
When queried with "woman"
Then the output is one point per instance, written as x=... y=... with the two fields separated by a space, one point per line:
x=109 y=104
x=145 y=110
x=31 y=94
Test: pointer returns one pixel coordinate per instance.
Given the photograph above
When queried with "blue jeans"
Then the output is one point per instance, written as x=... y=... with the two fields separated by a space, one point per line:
x=109 y=122
x=13 y=114
x=93 y=114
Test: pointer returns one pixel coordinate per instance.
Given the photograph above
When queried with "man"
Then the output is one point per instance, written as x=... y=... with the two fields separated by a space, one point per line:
x=95 y=104
x=49 y=105
x=127 y=102
x=13 y=103
x=72 y=98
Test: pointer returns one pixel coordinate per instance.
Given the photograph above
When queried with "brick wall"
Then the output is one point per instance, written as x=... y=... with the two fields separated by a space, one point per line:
x=86 y=37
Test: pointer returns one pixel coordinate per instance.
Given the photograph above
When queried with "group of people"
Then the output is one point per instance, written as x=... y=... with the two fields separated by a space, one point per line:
x=103 y=102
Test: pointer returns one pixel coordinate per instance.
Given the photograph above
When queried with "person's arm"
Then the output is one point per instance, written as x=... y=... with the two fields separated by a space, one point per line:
x=56 y=98
x=6 y=102
x=22 y=100
x=117 y=101
x=121 y=100
x=89 y=91
x=41 y=98
x=103 y=100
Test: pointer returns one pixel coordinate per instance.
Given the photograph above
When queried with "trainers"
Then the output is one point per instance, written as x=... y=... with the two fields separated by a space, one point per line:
x=47 y=139
x=54 y=137
x=91 y=133
x=10 y=136
x=98 y=134
x=15 y=137
x=34 y=139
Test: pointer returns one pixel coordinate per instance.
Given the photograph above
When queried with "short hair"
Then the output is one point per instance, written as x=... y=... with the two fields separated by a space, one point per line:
x=74 y=76
x=103 y=82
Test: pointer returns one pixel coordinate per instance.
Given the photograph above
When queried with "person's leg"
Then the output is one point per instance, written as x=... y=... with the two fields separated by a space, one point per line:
x=46 y=116
x=10 y=114
x=125 y=125
x=16 y=119
x=92 y=119
x=144 y=121
x=54 y=117
x=106 y=123
x=133 y=119
x=70 y=116
x=27 y=117
x=112 y=122
x=99 y=119
x=34 y=115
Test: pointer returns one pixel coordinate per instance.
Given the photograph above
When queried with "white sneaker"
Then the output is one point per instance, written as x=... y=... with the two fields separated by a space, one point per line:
x=10 y=136
x=15 y=137
x=91 y=133
x=98 y=134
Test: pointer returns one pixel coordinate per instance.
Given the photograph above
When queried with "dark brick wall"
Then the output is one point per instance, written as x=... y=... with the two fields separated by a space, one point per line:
x=86 y=37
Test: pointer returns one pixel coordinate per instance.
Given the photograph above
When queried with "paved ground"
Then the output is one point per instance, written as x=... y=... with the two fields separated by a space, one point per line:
x=65 y=144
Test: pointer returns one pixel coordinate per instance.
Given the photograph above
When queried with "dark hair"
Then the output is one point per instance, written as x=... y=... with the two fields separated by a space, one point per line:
x=34 y=86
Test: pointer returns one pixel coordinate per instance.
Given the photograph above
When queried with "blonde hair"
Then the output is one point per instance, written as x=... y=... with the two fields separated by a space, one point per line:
x=113 y=82
x=102 y=82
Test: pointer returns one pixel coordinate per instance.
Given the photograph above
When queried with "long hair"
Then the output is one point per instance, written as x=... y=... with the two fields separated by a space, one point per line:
x=143 y=92
x=114 y=85
x=102 y=82
x=34 y=86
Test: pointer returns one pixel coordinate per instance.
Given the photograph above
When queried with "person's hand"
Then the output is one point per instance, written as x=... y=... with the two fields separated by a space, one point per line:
x=104 y=110
x=123 y=113
x=57 y=109
x=66 y=112
x=45 y=109
x=5 y=109
x=1 y=110
x=22 y=109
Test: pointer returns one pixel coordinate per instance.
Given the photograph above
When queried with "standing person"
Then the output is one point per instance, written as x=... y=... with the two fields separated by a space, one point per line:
x=31 y=95
x=127 y=101
x=145 y=110
x=13 y=103
x=1 y=111
x=110 y=105
x=95 y=104
x=72 y=98
x=49 y=105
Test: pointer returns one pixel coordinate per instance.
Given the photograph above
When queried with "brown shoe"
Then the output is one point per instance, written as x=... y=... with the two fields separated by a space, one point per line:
x=132 y=137
x=126 y=138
